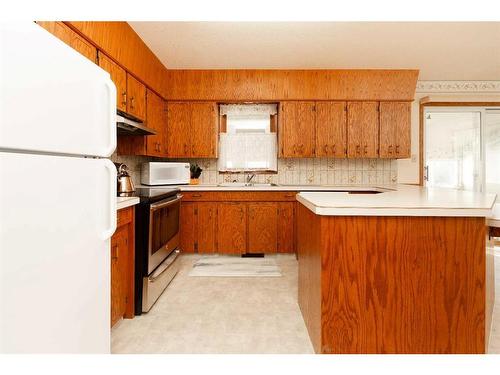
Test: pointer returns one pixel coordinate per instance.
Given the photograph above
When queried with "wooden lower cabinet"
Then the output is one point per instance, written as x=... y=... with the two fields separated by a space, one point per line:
x=286 y=227
x=188 y=228
x=207 y=227
x=122 y=266
x=232 y=228
x=238 y=222
x=262 y=227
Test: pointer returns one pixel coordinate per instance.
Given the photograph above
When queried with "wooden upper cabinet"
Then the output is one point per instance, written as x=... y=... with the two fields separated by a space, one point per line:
x=297 y=129
x=331 y=129
x=179 y=129
x=231 y=228
x=262 y=227
x=204 y=129
x=119 y=78
x=395 y=129
x=362 y=129
x=71 y=38
x=136 y=98
x=207 y=227
x=155 y=119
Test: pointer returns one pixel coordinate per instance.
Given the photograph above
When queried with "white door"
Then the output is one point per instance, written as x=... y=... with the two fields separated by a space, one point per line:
x=452 y=148
x=57 y=215
x=52 y=99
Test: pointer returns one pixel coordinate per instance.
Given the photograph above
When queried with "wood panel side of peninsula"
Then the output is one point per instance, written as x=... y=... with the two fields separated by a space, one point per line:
x=384 y=284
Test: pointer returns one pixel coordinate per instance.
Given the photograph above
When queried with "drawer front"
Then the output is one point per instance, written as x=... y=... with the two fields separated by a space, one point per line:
x=124 y=216
x=239 y=196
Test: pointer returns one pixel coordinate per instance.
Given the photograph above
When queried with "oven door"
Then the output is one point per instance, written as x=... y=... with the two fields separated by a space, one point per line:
x=163 y=230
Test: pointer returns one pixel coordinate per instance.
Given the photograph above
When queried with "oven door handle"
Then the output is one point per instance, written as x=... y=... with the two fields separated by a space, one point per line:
x=164 y=266
x=161 y=204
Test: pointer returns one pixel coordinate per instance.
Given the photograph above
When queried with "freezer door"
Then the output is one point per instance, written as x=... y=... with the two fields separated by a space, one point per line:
x=57 y=215
x=52 y=99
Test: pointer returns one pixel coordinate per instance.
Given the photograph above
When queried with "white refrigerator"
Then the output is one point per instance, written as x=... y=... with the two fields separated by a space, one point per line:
x=57 y=195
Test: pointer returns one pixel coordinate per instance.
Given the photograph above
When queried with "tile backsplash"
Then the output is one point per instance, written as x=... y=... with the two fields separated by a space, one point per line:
x=325 y=171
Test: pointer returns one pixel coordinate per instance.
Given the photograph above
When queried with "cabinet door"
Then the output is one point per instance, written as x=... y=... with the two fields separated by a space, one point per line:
x=331 y=129
x=204 y=130
x=262 y=227
x=188 y=227
x=286 y=227
x=179 y=129
x=119 y=77
x=136 y=94
x=297 y=129
x=403 y=129
x=362 y=129
x=84 y=47
x=155 y=120
x=231 y=228
x=395 y=130
x=207 y=227
x=119 y=250
x=71 y=38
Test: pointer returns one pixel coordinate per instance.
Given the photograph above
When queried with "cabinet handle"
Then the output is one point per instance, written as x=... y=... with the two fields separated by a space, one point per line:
x=196 y=195
x=124 y=98
x=397 y=149
x=132 y=102
x=186 y=149
x=333 y=150
x=365 y=150
x=358 y=151
x=390 y=149
x=192 y=150
x=325 y=149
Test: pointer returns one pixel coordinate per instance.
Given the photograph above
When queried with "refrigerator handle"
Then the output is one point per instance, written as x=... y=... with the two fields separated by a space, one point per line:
x=111 y=207
x=111 y=91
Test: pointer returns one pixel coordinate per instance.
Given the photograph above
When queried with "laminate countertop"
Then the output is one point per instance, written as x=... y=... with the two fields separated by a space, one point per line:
x=124 y=202
x=402 y=200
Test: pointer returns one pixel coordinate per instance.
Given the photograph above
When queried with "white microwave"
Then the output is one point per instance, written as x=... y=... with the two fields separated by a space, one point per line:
x=165 y=173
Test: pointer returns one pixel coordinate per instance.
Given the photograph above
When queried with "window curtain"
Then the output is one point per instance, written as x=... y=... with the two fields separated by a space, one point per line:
x=248 y=151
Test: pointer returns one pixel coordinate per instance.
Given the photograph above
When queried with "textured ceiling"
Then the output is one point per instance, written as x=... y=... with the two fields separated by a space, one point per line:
x=442 y=51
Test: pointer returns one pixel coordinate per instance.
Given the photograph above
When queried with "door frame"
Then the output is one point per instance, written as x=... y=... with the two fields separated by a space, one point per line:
x=450 y=107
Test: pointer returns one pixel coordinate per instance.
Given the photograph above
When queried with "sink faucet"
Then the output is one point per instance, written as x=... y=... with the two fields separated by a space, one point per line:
x=250 y=177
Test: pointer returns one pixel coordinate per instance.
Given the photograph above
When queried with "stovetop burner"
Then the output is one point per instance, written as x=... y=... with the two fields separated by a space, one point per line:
x=154 y=194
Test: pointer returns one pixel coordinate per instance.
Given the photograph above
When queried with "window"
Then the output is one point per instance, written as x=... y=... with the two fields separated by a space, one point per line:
x=248 y=139
x=462 y=148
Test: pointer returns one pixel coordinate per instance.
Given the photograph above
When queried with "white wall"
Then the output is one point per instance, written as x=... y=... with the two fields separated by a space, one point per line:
x=447 y=91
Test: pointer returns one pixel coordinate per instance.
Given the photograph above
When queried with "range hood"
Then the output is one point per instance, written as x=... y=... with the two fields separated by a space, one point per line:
x=129 y=125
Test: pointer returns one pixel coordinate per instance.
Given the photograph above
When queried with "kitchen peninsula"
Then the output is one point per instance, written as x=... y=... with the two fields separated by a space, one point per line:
x=403 y=271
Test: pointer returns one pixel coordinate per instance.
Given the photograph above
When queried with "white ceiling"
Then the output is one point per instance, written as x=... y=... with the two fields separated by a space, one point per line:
x=442 y=51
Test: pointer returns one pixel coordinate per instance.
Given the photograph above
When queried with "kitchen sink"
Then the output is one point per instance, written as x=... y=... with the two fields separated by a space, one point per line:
x=244 y=184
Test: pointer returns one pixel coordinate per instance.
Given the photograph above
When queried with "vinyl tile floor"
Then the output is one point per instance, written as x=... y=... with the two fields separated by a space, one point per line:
x=233 y=315
x=220 y=315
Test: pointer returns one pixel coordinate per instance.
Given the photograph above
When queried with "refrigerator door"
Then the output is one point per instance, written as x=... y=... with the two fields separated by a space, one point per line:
x=52 y=99
x=57 y=215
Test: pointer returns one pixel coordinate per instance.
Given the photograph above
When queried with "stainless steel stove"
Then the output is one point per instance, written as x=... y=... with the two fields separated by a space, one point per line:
x=157 y=243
